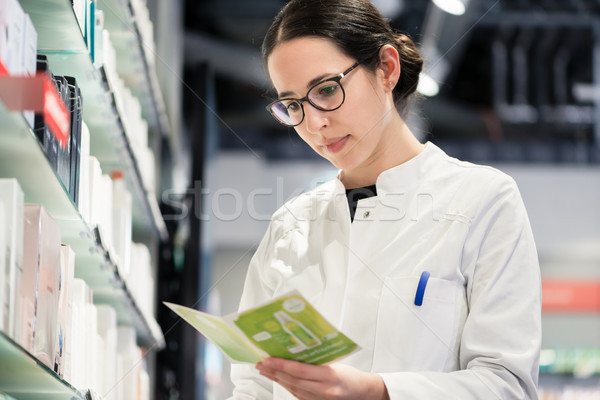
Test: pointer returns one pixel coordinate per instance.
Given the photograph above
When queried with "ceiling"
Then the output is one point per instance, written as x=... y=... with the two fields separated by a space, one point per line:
x=516 y=76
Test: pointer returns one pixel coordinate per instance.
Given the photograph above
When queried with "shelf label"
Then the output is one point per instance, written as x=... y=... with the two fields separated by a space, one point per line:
x=55 y=112
x=571 y=296
x=3 y=69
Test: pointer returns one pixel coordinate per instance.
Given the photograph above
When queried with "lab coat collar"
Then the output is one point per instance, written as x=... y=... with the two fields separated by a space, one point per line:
x=403 y=177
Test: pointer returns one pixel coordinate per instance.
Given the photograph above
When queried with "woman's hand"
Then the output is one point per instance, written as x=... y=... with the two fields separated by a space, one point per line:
x=334 y=381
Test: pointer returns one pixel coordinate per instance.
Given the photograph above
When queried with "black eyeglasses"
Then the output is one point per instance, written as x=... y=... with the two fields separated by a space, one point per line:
x=327 y=95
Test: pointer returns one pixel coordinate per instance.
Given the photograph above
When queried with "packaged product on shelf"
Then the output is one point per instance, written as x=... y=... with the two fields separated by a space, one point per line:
x=144 y=23
x=141 y=281
x=81 y=331
x=75 y=106
x=29 y=61
x=40 y=288
x=79 y=7
x=30 y=38
x=11 y=35
x=63 y=162
x=130 y=113
x=84 y=176
x=90 y=26
x=58 y=156
x=121 y=223
x=95 y=372
x=3 y=267
x=144 y=385
x=11 y=196
x=101 y=203
x=145 y=160
x=98 y=37
x=43 y=133
x=107 y=329
x=109 y=57
x=105 y=222
x=65 y=313
x=129 y=358
x=95 y=178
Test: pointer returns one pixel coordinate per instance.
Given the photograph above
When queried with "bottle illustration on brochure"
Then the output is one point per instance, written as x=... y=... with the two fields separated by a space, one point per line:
x=303 y=336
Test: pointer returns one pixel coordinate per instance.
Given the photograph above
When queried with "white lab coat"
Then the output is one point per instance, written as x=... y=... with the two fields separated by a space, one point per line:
x=477 y=334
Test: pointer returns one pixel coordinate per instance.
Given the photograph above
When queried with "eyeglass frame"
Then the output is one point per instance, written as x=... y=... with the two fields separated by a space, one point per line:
x=336 y=79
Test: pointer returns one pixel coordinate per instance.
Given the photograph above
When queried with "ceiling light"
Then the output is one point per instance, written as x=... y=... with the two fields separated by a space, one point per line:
x=455 y=7
x=427 y=85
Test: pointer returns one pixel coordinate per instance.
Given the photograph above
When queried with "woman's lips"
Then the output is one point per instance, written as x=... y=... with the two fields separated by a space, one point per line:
x=336 y=145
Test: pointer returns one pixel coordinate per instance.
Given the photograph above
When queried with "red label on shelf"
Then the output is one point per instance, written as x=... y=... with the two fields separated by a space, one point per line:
x=55 y=112
x=3 y=69
x=570 y=296
x=23 y=93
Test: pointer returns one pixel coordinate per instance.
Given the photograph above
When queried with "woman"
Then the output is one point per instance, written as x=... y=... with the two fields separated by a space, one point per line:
x=469 y=331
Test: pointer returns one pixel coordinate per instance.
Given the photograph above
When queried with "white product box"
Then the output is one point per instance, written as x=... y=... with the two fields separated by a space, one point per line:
x=11 y=26
x=130 y=357
x=105 y=210
x=3 y=268
x=107 y=329
x=84 y=175
x=144 y=391
x=98 y=39
x=79 y=9
x=80 y=352
x=29 y=62
x=140 y=281
x=10 y=299
x=95 y=178
x=65 y=312
x=41 y=278
x=121 y=223
x=30 y=38
x=145 y=159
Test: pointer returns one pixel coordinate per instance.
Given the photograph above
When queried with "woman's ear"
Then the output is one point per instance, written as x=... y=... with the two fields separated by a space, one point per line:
x=389 y=65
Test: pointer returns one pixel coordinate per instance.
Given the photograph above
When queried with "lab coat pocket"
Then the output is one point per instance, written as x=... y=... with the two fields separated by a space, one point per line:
x=416 y=338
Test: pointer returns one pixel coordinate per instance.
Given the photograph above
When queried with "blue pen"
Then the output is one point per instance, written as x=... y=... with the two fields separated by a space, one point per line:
x=421 y=288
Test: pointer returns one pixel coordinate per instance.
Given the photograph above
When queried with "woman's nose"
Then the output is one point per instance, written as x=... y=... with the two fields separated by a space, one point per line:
x=315 y=119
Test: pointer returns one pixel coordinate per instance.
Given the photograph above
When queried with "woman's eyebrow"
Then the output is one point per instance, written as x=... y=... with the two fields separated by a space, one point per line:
x=310 y=84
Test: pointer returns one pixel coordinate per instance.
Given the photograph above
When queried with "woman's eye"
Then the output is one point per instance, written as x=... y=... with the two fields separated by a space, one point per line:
x=293 y=107
x=328 y=90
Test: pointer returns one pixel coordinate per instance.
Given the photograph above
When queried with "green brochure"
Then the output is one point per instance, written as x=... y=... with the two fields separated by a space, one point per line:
x=287 y=327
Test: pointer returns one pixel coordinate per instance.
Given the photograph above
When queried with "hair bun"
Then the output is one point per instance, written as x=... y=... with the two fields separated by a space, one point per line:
x=411 y=64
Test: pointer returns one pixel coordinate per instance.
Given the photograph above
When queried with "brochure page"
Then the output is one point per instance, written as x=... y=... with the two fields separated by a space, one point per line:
x=287 y=327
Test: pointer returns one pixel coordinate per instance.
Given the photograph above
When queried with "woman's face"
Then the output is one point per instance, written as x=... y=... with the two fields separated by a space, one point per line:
x=351 y=136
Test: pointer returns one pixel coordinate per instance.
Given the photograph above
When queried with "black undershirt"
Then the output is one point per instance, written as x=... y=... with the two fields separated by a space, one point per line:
x=354 y=195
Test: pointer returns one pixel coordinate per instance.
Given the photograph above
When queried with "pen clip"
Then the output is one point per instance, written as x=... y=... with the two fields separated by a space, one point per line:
x=421 y=288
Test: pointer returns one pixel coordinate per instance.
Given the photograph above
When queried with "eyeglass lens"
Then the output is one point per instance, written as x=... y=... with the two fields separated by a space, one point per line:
x=325 y=96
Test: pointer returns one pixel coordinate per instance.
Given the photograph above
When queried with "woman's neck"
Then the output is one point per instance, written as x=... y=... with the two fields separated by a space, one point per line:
x=397 y=147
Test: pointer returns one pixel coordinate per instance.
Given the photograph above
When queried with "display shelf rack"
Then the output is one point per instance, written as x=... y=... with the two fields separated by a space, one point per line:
x=23 y=377
x=61 y=40
x=135 y=65
x=22 y=157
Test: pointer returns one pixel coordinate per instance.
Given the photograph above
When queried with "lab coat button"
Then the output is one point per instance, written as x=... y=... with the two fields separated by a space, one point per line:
x=366 y=214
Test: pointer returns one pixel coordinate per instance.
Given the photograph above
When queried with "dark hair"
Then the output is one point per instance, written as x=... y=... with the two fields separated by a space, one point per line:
x=358 y=29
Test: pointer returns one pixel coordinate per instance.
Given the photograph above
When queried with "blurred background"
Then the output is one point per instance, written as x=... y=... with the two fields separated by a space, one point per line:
x=509 y=83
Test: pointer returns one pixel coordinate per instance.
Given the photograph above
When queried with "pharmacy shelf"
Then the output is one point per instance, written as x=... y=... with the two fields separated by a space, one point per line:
x=60 y=38
x=134 y=55
x=22 y=157
x=23 y=377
